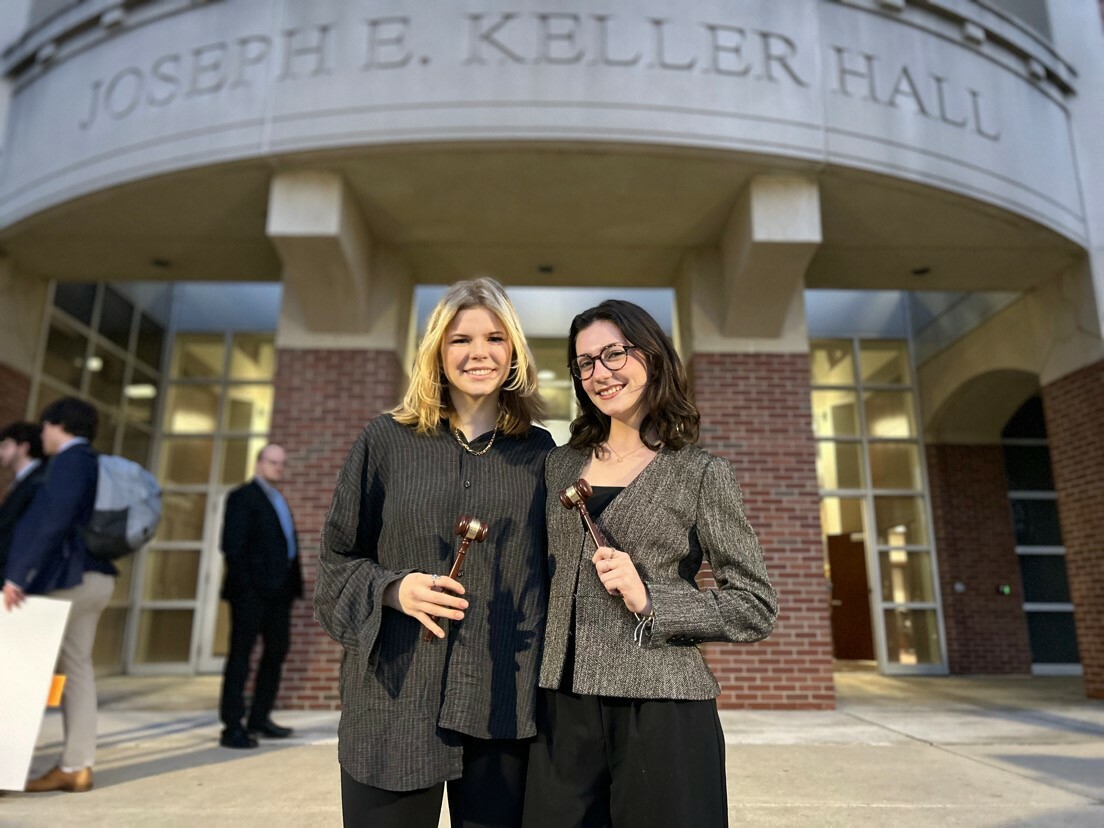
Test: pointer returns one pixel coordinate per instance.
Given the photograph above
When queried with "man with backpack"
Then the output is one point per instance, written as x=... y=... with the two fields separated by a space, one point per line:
x=49 y=557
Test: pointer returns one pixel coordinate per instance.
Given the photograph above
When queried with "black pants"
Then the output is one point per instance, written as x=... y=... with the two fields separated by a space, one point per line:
x=270 y=618
x=488 y=795
x=626 y=763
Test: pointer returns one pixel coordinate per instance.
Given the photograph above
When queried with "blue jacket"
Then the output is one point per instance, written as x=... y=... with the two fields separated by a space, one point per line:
x=48 y=552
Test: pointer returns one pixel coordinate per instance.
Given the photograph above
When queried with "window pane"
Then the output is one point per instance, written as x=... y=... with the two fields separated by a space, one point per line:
x=1044 y=579
x=238 y=458
x=895 y=466
x=253 y=357
x=186 y=460
x=198 y=355
x=1035 y=523
x=1053 y=638
x=164 y=635
x=831 y=362
x=883 y=363
x=76 y=300
x=842 y=516
x=900 y=521
x=248 y=408
x=906 y=577
x=1028 y=468
x=912 y=636
x=151 y=341
x=116 y=314
x=889 y=414
x=191 y=409
x=835 y=414
x=105 y=433
x=550 y=355
x=170 y=574
x=47 y=394
x=107 y=651
x=839 y=465
x=65 y=350
x=141 y=396
x=136 y=445
x=559 y=402
x=121 y=595
x=105 y=378
x=183 y=515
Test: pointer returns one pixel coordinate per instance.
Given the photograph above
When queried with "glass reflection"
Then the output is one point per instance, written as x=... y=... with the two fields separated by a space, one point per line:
x=889 y=414
x=183 y=516
x=186 y=460
x=252 y=357
x=170 y=574
x=163 y=636
x=248 y=408
x=832 y=363
x=912 y=637
x=839 y=465
x=835 y=414
x=900 y=521
x=883 y=362
x=198 y=356
x=906 y=577
x=191 y=409
x=895 y=466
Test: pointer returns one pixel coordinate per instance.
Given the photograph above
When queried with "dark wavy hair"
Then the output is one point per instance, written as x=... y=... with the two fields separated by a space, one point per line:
x=667 y=398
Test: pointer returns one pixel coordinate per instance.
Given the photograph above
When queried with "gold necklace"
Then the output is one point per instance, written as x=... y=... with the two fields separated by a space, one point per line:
x=621 y=457
x=467 y=446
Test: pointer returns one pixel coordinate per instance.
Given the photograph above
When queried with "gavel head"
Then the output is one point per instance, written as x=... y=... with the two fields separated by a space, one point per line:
x=471 y=528
x=576 y=494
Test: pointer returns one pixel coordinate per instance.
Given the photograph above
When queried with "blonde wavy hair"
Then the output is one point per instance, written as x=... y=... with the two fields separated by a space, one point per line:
x=427 y=401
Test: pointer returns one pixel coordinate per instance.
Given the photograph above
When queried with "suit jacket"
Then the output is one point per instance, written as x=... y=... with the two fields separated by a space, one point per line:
x=256 y=548
x=684 y=508
x=15 y=504
x=48 y=551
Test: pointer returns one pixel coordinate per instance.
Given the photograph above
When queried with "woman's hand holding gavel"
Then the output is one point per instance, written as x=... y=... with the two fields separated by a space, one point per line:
x=426 y=597
x=619 y=576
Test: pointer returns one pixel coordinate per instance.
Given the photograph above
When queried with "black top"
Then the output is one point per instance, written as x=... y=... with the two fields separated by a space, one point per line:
x=405 y=701
x=601 y=497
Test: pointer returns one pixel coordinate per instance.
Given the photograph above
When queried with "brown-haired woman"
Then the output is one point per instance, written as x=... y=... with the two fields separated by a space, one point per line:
x=628 y=732
x=458 y=709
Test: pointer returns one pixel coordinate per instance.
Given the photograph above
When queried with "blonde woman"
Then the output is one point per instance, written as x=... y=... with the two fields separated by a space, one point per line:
x=460 y=707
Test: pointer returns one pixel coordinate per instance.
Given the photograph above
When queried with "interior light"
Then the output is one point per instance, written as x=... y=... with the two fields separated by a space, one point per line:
x=546 y=375
x=94 y=363
x=140 y=391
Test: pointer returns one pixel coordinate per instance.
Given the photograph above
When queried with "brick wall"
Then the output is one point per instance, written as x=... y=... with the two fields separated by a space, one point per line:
x=323 y=400
x=756 y=412
x=1075 y=428
x=975 y=545
x=15 y=392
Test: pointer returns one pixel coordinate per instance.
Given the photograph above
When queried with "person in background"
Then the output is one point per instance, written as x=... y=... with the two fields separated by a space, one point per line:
x=628 y=733
x=49 y=557
x=20 y=456
x=263 y=578
x=457 y=708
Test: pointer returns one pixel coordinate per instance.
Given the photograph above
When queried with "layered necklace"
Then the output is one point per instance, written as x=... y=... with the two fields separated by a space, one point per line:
x=466 y=446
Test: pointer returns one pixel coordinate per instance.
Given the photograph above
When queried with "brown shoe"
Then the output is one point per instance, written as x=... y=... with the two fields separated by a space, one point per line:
x=58 y=780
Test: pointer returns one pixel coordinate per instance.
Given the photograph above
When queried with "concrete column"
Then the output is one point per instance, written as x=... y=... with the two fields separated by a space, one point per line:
x=770 y=239
x=341 y=341
x=753 y=395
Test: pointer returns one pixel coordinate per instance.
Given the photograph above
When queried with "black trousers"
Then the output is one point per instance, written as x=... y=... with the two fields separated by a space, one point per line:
x=488 y=795
x=253 y=615
x=600 y=761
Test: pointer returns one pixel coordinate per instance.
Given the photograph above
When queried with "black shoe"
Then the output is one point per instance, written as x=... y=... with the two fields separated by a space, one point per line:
x=237 y=738
x=270 y=729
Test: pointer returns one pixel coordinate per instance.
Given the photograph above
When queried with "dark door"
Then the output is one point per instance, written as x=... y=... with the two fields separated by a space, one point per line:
x=852 y=634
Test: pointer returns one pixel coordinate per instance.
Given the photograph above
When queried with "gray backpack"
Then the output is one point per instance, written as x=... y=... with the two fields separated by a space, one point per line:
x=127 y=510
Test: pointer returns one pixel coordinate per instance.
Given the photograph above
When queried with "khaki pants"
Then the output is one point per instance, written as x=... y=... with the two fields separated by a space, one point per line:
x=78 y=702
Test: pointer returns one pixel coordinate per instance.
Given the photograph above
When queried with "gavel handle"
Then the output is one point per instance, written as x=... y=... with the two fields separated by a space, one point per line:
x=454 y=573
x=595 y=535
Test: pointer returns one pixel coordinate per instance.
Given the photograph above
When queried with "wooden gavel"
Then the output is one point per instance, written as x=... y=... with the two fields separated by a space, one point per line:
x=470 y=529
x=575 y=497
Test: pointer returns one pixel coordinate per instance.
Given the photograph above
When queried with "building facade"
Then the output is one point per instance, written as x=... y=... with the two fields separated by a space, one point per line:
x=876 y=228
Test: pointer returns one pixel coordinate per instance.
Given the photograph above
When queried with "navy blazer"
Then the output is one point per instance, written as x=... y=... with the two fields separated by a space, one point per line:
x=48 y=551
x=256 y=549
x=12 y=509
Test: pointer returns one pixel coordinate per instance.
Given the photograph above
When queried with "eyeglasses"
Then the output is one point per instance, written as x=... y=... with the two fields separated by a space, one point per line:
x=612 y=356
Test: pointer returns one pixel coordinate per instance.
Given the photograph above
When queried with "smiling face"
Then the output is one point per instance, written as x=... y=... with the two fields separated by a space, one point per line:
x=617 y=393
x=476 y=354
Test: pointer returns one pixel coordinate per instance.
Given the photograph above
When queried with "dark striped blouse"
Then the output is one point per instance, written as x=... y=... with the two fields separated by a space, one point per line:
x=405 y=701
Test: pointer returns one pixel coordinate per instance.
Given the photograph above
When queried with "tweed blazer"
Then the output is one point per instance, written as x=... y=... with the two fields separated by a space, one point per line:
x=405 y=702
x=685 y=507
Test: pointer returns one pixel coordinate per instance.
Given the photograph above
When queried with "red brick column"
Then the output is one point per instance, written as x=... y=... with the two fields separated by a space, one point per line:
x=975 y=545
x=15 y=393
x=1075 y=428
x=323 y=400
x=756 y=412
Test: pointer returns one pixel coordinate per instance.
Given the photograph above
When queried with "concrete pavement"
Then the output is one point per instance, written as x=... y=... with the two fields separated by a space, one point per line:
x=1012 y=751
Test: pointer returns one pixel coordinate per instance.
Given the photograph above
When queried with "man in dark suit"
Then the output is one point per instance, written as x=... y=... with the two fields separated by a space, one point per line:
x=20 y=456
x=49 y=557
x=262 y=579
